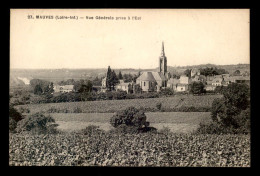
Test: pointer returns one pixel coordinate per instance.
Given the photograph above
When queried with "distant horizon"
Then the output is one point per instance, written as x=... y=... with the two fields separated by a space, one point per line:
x=129 y=68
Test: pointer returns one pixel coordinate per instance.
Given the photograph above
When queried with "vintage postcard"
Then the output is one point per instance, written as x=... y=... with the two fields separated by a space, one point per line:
x=129 y=87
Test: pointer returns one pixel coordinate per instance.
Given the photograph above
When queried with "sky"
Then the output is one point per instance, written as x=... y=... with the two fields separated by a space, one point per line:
x=191 y=37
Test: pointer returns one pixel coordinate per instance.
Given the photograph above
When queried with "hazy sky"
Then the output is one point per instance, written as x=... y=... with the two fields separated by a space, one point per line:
x=191 y=37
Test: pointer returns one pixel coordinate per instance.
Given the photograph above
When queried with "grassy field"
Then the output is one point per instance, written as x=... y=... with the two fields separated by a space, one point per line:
x=178 y=122
x=114 y=105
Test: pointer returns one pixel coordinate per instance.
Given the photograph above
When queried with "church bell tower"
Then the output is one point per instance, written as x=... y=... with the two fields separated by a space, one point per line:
x=163 y=61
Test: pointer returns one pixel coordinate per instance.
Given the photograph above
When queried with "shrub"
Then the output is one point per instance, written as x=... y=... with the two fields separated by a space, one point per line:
x=131 y=116
x=14 y=117
x=123 y=129
x=159 y=105
x=14 y=114
x=12 y=125
x=226 y=110
x=197 y=88
x=130 y=96
x=167 y=92
x=37 y=124
x=216 y=127
x=92 y=129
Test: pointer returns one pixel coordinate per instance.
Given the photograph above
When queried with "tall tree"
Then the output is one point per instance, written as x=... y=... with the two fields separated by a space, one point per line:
x=114 y=79
x=38 y=90
x=187 y=73
x=109 y=78
x=120 y=76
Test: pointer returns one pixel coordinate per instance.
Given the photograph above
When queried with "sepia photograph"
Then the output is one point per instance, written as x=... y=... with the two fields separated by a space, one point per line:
x=130 y=87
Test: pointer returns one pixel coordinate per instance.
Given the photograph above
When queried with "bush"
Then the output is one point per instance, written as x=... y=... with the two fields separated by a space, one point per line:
x=14 y=114
x=241 y=125
x=124 y=129
x=212 y=128
x=14 y=117
x=226 y=110
x=197 y=88
x=166 y=92
x=12 y=125
x=37 y=124
x=220 y=89
x=92 y=129
x=159 y=105
x=130 y=96
x=131 y=116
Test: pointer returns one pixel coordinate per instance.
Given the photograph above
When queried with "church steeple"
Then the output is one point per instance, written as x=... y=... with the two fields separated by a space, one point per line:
x=162 y=53
x=163 y=61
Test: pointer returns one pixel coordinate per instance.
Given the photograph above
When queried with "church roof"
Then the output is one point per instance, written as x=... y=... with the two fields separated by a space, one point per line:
x=152 y=76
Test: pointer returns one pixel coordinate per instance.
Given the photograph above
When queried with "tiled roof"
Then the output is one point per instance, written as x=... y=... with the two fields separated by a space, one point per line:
x=152 y=76
x=217 y=80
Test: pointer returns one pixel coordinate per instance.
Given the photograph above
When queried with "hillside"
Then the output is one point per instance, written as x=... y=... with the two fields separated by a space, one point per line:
x=55 y=75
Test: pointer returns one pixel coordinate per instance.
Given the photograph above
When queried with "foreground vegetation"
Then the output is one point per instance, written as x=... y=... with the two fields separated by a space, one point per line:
x=183 y=103
x=223 y=141
x=93 y=147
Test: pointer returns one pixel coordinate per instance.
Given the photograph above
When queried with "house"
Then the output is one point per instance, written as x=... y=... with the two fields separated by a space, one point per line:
x=217 y=81
x=185 y=79
x=172 y=83
x=199 y=78
x=155 y=81
x=104 y=85
x=128 y=87
x=242 y=79
x=182 y=87
x=63 y=89
x=179 y=85
x=239 y=79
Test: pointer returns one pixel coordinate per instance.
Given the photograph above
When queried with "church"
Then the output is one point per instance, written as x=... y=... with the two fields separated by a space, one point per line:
x=155 y=81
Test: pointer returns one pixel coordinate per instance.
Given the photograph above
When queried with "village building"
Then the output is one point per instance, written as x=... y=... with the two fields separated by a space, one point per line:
x=155 y=81
x=104 y=85
x=210 y=87
x=172 y=83
x=199 y=78
x=179 y=85
x=217 y=81
x=185 y=79
x=182 y=87
x=63 y=89
x=240 y=79
x=128 y=87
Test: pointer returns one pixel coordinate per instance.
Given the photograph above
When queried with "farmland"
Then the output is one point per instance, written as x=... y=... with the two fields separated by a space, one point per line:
x=177 y=122
x=114 y=105
x=145 y=149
